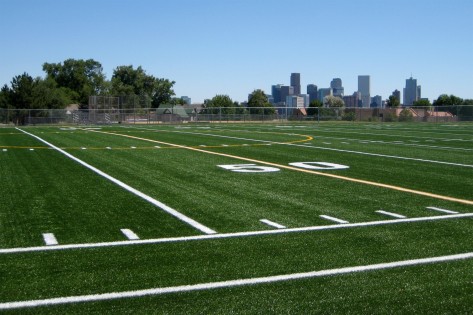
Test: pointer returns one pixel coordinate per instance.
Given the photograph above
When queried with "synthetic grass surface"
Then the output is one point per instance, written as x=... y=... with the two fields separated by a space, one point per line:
x=48 y=192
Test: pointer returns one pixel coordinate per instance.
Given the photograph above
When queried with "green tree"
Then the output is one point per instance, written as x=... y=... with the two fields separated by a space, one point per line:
x=449 y=103
x=314 y=107
x=258 y=103
x=127 y=81
x=21 y=91
x=425 y=103
x=222 y=104
x=406 y=115
x=47 y=95
x=83 y=77
x=177 y=101
x=393 y=101
x=447 y=100
x=334 y=101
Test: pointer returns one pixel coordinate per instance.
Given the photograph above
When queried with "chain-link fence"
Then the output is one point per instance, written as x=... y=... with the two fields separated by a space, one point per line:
x=181 y=114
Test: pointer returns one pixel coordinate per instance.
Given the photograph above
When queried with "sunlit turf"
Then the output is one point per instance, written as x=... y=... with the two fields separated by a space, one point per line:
x=46 y=192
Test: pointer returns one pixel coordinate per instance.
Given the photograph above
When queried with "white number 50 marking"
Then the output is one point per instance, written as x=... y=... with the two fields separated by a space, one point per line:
x=253 y=168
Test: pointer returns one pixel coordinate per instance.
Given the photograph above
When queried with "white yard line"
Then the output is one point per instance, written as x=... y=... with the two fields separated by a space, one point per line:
x=134 y=191
x=324 y=148
x=50 y=239
x=395 y=215
x=130 y=234
x=334 y=219
x=442 y=210
x=233 y=235
x=231 y=283
x=351 y=179
x=273 y=224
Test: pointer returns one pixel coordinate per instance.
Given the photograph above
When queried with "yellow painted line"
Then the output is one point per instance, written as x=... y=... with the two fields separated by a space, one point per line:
x=350 y=179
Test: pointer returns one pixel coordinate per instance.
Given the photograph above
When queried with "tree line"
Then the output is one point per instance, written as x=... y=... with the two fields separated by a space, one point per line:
x=73 y=81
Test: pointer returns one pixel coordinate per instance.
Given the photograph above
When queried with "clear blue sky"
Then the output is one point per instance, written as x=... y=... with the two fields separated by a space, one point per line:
x=232 y=47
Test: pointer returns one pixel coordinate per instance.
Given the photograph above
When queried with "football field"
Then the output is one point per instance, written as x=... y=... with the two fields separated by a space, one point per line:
x=237 y=218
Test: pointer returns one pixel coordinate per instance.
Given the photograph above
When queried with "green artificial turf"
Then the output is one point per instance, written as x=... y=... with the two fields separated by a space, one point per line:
x=46 y=192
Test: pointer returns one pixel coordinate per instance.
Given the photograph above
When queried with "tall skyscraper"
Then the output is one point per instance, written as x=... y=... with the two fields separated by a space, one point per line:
x=411 y=92
x=337 y=87
x=312 y=91
x=364 y=87
x=276 y=93
x=296 y=83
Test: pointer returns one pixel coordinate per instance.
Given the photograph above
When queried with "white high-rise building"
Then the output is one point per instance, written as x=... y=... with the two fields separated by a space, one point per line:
x=295 y=101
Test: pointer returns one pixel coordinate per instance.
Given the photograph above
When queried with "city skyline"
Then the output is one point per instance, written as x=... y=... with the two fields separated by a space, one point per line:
x=215 y=47
x=362 y=97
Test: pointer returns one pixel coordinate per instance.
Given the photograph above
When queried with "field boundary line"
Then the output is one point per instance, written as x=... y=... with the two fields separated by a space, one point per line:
x=231 y=235
x=350 y=179
x=132 y=190
x=232 y=283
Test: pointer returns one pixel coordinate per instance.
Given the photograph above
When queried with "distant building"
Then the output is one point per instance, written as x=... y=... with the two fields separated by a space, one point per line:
x=276 y=93
x=376 y=101
x=397 y=94
x=306 y=98
x=337 y=87
x=295 y=101
x=353 y=100
x=186 y=100
x=322 y=93
x=411 y=92
x=296 y=83
x=286 y=91
x=312 y=92
x=364 y=87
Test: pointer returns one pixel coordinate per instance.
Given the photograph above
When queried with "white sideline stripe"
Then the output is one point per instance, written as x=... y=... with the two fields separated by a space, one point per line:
x=334 y=219
x=442 y=210
x=130 y=234
x=232 y=283
x=400 y=216
x=50 y=239
x=273 y=224
x=232 y=235
x=134 y=191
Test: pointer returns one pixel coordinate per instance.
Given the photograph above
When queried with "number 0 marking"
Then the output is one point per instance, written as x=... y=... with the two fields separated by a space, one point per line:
x=249 y=168
x=319 y=165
